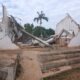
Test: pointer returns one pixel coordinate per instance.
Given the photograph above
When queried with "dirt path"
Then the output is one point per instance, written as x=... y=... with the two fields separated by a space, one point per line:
x=30 y=66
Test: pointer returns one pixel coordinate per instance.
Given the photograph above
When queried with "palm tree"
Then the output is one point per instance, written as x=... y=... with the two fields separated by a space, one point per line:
x=41 y=16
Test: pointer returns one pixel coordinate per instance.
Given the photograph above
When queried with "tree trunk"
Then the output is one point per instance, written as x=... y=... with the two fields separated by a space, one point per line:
x=40 y=22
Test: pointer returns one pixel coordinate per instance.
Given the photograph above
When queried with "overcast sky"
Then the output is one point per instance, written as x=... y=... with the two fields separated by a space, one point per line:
x=55 y=10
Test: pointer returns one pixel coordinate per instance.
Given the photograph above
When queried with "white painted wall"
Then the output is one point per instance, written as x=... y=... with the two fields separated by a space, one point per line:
x=68 y=24
x=75 y=42
x=5 y=40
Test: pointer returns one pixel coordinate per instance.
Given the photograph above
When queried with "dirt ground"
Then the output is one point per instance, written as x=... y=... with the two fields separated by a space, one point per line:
x=31 y=68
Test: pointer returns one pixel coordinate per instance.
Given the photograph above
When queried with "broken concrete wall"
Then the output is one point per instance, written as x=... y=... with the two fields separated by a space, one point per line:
x=5 y=40
x=8 y=64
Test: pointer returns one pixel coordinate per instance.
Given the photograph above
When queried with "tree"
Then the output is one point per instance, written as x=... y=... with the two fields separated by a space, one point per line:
x=38 y=31
x=41 y=16
x=29 y=27
x=50 y=32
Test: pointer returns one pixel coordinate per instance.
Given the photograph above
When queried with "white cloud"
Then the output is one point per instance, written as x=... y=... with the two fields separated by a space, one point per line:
x=54 y=9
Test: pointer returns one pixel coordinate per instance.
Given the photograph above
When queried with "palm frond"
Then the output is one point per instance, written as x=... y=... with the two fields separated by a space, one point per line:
x=38 y=13
x=40 y=17
x=36 y=19
x=42 y=14
x=45 y=18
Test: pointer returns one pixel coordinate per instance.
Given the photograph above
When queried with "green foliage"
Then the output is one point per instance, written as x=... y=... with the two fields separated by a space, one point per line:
x=29 y=27
x=50 y=31
x=38 y=31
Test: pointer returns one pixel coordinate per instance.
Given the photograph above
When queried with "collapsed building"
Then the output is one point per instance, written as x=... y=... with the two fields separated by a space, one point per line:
x=69 y=24
x=5 y=41
x=68 y=29
x=12 y=32
x=41 y=62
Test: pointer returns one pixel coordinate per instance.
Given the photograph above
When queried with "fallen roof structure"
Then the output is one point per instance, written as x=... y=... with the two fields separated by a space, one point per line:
x=12 y=31
x=19 y=29
x=57 y=37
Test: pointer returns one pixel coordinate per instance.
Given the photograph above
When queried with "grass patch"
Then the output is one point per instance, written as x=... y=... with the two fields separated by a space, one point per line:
x=73 y=74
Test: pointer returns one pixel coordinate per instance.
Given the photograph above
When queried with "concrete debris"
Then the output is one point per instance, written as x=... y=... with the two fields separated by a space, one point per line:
x=68 y=31
x=8 y=64
x=12 y=32
x=19 y=30
x=5 y=40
